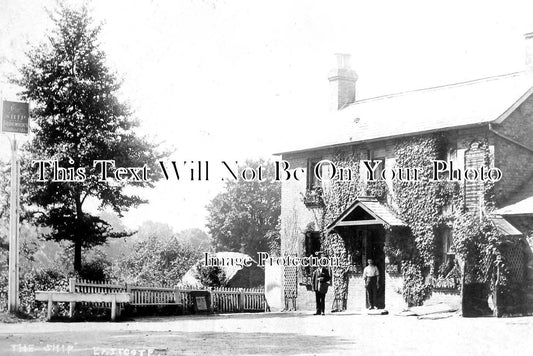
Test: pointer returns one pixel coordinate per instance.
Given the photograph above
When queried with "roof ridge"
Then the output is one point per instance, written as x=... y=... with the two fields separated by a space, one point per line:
x=468 y=82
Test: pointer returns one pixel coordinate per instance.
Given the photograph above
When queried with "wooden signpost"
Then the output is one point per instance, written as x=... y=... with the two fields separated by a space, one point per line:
x=15 y=120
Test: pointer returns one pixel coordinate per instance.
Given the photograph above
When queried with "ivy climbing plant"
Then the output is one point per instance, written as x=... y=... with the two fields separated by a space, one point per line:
x=338 y=195
x=420 y=204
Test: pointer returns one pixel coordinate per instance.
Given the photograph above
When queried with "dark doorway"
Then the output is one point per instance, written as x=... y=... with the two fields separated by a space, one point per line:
x=375 y=251
x=363 y=243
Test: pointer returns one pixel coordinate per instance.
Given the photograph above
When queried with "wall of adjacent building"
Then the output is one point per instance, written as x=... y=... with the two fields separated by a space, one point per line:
x=515 y=162
x=295 y=217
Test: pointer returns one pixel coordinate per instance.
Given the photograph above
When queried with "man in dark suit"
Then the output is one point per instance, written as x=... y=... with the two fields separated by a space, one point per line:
x=320 y=283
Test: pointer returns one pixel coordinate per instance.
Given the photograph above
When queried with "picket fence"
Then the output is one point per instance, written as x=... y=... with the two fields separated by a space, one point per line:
x=223 y=300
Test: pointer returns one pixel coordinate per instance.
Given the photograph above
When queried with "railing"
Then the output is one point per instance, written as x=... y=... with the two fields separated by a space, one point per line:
x=224 y=300
x=231 y=300
x=84 y=286
x=141 y=296
x=445 y=284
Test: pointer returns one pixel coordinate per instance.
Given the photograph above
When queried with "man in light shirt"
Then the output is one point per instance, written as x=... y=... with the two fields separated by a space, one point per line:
x=371 y=278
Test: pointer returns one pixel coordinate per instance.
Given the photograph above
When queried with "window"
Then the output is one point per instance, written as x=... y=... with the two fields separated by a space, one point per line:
x=474 y=159
x=312 y=243
x=449 y=155
x=312 y=180
x=445 y=255
x=446 y=238
x=311 y=246
x=378 y=161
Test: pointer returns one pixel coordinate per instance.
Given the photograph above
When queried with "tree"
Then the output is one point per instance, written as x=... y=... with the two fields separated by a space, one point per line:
x=241 y=217
x=78 y=119
x=156 y=257
x=196 y=238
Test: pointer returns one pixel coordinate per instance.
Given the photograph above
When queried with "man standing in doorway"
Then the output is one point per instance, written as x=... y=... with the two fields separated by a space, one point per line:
x=371 y=278
x=320 y=282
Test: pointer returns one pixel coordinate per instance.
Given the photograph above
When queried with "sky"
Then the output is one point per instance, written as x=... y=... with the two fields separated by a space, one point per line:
x=229 y=80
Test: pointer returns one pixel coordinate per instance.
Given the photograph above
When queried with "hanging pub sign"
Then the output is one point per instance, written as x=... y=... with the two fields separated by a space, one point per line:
x=15 y=117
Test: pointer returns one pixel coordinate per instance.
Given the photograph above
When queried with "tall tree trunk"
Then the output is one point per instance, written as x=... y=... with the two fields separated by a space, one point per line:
x=77 y=255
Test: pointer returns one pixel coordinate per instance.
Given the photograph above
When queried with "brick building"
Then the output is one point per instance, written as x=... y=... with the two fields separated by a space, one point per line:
x=488 y=117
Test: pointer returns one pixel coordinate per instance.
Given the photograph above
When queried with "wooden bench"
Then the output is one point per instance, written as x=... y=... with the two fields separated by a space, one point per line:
x=73 y=298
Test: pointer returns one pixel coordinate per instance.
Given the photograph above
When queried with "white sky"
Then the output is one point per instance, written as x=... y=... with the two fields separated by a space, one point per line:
x=227 y=80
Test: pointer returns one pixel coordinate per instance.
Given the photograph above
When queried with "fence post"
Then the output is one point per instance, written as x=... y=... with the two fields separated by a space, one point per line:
x=72 y=289
x=211 y=307
x=50 y=307
x=114 y=308
x=176 y=296
x=265 y=302
x=241 y=300
x=127 y=288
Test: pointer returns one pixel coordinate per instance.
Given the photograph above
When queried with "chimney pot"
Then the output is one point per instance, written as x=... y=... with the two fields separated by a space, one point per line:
x=343 y=60
x=528 y=37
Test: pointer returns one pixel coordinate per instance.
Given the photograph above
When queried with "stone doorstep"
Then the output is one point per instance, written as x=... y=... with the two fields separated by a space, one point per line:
x=437 y=316
x=429 y=309
x=375 y=312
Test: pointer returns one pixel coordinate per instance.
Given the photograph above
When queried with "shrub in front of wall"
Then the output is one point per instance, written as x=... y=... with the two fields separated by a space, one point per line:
x=335 y=247
x=477 y=242
x=211 y=276
x=415 y=290
x=35 y=280
x=96 y=269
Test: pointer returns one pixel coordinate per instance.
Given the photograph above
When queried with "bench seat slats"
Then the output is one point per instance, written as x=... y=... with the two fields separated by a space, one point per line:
x=44 y=296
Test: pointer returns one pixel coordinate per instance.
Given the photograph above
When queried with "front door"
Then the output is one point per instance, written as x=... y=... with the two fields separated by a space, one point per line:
x=362 y=243
x=374 y=249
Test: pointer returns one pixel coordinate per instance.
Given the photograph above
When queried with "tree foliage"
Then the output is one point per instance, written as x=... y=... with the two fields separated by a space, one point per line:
x=477 y=242
x=211 y=276
x=196 y=238
x=78 y=118
x=157 y=259
x=243 y=214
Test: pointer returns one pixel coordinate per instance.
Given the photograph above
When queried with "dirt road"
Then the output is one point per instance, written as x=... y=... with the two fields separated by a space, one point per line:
x=273 y=333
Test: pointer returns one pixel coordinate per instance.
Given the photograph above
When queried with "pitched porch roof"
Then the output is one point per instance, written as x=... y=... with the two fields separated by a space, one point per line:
x=366 y=211
x=504 y=226
x=522 y=207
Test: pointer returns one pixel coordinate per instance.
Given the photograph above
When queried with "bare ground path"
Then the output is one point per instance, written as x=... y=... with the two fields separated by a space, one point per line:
x=273 y=333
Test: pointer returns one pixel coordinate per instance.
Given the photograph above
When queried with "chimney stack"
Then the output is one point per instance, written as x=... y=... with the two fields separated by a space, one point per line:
x=528 y=37
x=342 y=82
